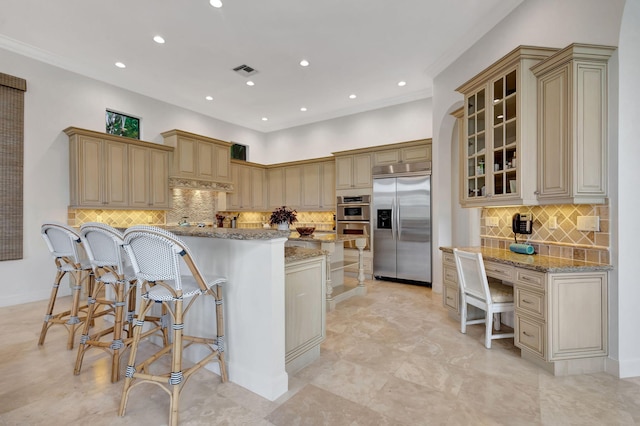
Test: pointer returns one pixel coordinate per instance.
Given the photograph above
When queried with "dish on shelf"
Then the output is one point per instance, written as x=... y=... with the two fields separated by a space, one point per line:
x=305 y=231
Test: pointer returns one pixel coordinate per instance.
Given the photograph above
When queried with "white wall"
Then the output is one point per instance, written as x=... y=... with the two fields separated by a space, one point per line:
x=400 y=123
x=626 y=289
x=541 y=23
x=56 y=99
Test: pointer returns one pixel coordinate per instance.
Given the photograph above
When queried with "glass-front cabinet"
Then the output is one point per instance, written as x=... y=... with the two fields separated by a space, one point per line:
x=499 y=151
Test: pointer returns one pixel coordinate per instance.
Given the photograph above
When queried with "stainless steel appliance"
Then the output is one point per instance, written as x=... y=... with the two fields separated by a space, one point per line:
x=352 y=217
x=402 y=222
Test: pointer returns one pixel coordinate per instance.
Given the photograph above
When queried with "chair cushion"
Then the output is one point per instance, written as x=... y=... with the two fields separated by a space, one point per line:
x=501 y=293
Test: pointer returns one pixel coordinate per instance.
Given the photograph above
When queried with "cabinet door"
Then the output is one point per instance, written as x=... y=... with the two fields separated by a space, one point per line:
x=186 y=153
x=328 y=196
x=90 y=171
x=233 y=198
x=344 y=172
x=416 y=153
x=116 y=177
x=474 y=148
x=362 y=171
x=390 y=156
x=205 y=161
x=258 y=189
x=159 y=179
x=139 y=172
x=311 y=185
x=222 y=158
x=275 y=179
x=244 y=187
x=293 y=186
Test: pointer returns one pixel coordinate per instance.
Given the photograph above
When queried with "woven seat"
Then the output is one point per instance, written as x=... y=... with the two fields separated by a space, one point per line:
x=168 y=276
x=476 y=290
x=65 y=247
x=114 y=290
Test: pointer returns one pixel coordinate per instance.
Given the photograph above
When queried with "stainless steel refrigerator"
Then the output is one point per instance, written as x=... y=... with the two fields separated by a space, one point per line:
x=402 y=222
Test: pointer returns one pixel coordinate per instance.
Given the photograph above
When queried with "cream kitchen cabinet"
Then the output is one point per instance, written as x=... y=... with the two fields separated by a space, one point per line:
x=499 y=148
x=148 y=178
x=102 y=175
x=199 y=158
x=318 y=186
x=293 y=186
x=275 y=182
x=572 y=125
x=353 y=171
x=405 y=152
x=249 y=183
x=305 y=310
x=305 y=185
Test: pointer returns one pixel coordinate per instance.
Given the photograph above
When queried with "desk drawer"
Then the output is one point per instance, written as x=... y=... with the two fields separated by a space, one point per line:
x=448 y=258
x=450 y=274
x=451 y=297
x=530 y=302
x=530 y=278
x=529 y=334
x=499 y=271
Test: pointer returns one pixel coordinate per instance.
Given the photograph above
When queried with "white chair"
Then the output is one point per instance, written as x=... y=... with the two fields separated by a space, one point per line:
x=157 y=256
x=104 y=247
x=475 y=289
x=68 y=254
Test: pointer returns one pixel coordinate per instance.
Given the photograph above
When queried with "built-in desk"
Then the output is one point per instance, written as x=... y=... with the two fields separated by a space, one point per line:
x=560 y=319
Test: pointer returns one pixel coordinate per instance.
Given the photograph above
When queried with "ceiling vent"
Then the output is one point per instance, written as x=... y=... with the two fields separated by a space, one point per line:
x=245 y=70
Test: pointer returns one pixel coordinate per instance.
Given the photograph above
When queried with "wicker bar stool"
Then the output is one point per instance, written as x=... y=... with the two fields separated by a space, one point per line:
x=104 y=247
x=66 y=248
x=157 y=256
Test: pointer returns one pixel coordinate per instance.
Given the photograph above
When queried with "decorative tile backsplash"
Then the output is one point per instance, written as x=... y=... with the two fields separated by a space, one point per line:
x=197 y=206
x=323 y=221
x=564 y=241
x=116 y=218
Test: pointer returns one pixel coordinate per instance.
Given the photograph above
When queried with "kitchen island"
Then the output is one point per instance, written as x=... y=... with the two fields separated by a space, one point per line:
x=253 y=261
x=333 y=244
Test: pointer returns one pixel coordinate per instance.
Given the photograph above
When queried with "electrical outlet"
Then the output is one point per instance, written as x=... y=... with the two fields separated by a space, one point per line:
x=588 y=223
x=493 y=221
x=99 y=218
x=149 y=218
x=553 y=223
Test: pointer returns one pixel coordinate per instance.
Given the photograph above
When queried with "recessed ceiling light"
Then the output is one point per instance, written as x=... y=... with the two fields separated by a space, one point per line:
x=304 y=63
x=250 y=83
x=215 y=3
x=264 y=118
x=352 y=96
x=120 y=65
x=303 y=109
x=402 y=83
x=209 y=98
x=158 y=39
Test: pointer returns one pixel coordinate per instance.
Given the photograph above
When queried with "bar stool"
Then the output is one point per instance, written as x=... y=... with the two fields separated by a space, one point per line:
x=66 y=248
x=104 y=247
x=157 y=256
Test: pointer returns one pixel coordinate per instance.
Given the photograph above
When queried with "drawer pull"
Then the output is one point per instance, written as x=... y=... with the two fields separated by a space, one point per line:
x=527 y=334
x=525 y=278
x=526 y=301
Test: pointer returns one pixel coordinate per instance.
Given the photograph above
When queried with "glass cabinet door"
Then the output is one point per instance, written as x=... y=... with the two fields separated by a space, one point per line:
x=475 y=146
x=504 y=157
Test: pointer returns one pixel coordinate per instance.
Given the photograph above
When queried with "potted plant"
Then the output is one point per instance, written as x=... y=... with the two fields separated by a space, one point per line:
x=283 y=217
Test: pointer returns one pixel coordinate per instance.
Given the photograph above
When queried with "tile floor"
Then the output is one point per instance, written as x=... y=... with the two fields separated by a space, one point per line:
x=392 y=357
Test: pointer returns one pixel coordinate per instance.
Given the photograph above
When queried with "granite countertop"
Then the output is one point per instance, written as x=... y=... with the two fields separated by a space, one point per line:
x=227 y=233
x=324 y=237
x=294 y=254
x=534 y=262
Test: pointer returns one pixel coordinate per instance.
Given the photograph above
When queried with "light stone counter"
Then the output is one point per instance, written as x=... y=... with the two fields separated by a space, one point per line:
x=228 y=233
x=534 y=262
x=295 y=254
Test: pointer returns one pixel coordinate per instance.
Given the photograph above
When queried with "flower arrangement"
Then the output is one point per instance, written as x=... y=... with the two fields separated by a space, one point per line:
x=283 y=214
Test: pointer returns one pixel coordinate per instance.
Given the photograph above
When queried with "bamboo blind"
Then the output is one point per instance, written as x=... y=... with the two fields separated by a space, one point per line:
x=11 y=165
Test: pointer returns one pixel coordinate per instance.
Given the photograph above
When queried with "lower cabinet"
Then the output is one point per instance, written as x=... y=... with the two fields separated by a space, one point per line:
x=560 y=320
x=305 y=307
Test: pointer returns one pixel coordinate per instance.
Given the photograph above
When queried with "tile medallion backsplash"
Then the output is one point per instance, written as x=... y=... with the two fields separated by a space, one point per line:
x=564 y=241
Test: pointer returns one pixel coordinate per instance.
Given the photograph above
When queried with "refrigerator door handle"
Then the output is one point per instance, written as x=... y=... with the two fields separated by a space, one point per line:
x=393 y=218
x=398 y=221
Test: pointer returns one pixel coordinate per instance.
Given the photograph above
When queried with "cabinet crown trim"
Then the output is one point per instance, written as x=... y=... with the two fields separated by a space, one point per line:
x=574 y=52
x=371 y=149
x=71 y=131
x=176 y=132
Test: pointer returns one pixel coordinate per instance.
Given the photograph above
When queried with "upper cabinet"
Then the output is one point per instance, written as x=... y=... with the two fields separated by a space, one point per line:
x=572 y=125
x=318 y=186
x=112 y=172
x=499 y=145
x=353 y=171
x=250 y=184
x=199 y=158
x=408 y=152
x=304 y=185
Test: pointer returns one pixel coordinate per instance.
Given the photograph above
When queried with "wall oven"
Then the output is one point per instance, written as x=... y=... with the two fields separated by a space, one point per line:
x=352 y=218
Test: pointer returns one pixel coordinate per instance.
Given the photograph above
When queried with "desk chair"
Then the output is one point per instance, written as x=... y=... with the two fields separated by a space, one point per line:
x=493 y=298
x=65 y=247
x=157 y=256
x=104 y=247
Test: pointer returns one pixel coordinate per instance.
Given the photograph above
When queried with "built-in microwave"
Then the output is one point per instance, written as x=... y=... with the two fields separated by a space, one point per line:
x=355 y=208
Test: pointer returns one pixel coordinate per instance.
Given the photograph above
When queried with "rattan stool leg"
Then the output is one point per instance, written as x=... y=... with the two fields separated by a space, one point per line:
x=52 y=302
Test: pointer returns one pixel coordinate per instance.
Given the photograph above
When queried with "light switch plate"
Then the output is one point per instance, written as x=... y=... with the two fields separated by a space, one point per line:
x=493 y=221
x=588 y=223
